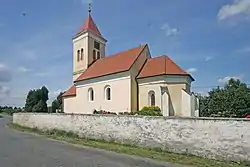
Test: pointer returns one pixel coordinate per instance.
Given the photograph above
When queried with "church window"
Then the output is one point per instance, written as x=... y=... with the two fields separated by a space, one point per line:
x=98 y=54
x=94 y=54
x=78 y=55
x=107 y=92
x=82 y=54
x=91 y=94
x=96 y=45
x=151 y=98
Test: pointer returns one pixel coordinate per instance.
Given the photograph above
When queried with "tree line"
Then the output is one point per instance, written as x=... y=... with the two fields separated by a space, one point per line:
x=36 y=101
x=232 y=100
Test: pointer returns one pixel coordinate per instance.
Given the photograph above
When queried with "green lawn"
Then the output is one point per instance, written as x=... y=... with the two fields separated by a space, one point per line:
x=132 y=150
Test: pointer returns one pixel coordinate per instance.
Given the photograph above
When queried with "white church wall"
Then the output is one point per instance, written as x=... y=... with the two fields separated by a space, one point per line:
x=186 y=104
x=120 y=85
x=174 y=84
x=70 y=105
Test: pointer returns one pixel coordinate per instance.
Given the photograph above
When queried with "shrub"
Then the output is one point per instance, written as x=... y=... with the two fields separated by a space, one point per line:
x=103 y=112
x=150 y=111
x=127 y=113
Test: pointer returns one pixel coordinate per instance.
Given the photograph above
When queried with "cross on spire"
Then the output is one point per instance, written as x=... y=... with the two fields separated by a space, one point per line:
x=89 y=8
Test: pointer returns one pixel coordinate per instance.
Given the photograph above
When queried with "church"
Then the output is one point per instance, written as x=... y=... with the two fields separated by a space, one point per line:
x=126 y=81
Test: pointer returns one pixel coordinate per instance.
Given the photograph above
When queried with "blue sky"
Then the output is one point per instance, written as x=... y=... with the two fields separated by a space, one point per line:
x=210 y=39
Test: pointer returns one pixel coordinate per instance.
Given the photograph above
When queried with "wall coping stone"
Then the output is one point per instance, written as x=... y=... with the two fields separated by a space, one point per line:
x=141 y=116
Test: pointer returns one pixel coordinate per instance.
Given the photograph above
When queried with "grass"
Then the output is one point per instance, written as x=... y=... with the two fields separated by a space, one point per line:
x=156 y=154
x=4 y=113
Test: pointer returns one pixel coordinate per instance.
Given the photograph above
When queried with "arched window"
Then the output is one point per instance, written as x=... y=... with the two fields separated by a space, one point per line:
x=107 y=92
x=78 y=55
x=91 y=94
x=82 y=54
x=94 y=55
x=98 y=54
x=151 y=98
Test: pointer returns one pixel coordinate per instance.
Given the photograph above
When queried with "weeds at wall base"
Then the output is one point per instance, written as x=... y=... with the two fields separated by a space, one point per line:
x=155 y=153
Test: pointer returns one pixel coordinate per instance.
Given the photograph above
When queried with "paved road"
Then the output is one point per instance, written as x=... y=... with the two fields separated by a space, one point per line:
x=18 y=149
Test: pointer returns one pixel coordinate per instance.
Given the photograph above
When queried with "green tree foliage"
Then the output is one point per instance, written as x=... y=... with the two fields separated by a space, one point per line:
x=41 y=106
x=31 y=100
x=150 y=111
x=233 y=100
x=36 y=100
x=10 y=110
x=57 y=103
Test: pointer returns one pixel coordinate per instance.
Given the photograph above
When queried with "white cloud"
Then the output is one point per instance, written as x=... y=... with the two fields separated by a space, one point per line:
x=244 y=50
x=191 y=70
x=24 y=69
x=203 y=92
x=32 y=48
x=224 y=80
x=2 y=66
x=208 y=58
x=236 y=8
x=55 y=93
x=4 y=91
x=43 y=74
x=29 y=54
x=169 y=31
x=5 y=73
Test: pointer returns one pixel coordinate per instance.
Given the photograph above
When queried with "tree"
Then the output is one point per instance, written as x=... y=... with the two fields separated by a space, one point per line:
x=44 y=94
x=204 y=110
x=57 y=103
x=233 y=100
x=41 y=106
x=31 y=100
x=36 y=100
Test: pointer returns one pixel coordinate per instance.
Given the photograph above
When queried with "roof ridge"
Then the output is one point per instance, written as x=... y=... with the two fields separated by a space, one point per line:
x=104 y=66
x=177 y=65
x=118 y=53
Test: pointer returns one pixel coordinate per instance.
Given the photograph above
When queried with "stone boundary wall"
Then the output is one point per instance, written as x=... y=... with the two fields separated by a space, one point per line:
x=208 y=137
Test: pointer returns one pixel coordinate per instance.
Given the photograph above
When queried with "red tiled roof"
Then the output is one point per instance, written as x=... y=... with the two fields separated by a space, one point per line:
x=89 y=24
x=70 y=92
x=112 y=64
x=160 y=66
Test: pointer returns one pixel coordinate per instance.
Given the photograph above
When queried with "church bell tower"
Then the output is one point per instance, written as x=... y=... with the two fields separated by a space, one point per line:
x=88 y=46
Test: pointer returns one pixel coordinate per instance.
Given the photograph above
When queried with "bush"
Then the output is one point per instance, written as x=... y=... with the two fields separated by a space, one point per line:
x=103 y=112
x=127 y=113
x=150 y=111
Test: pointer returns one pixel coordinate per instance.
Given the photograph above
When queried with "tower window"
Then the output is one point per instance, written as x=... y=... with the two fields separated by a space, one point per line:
x=94 y=54
x=98 y=54
x=97 y=45
x=78 y=55
x=82 y=54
